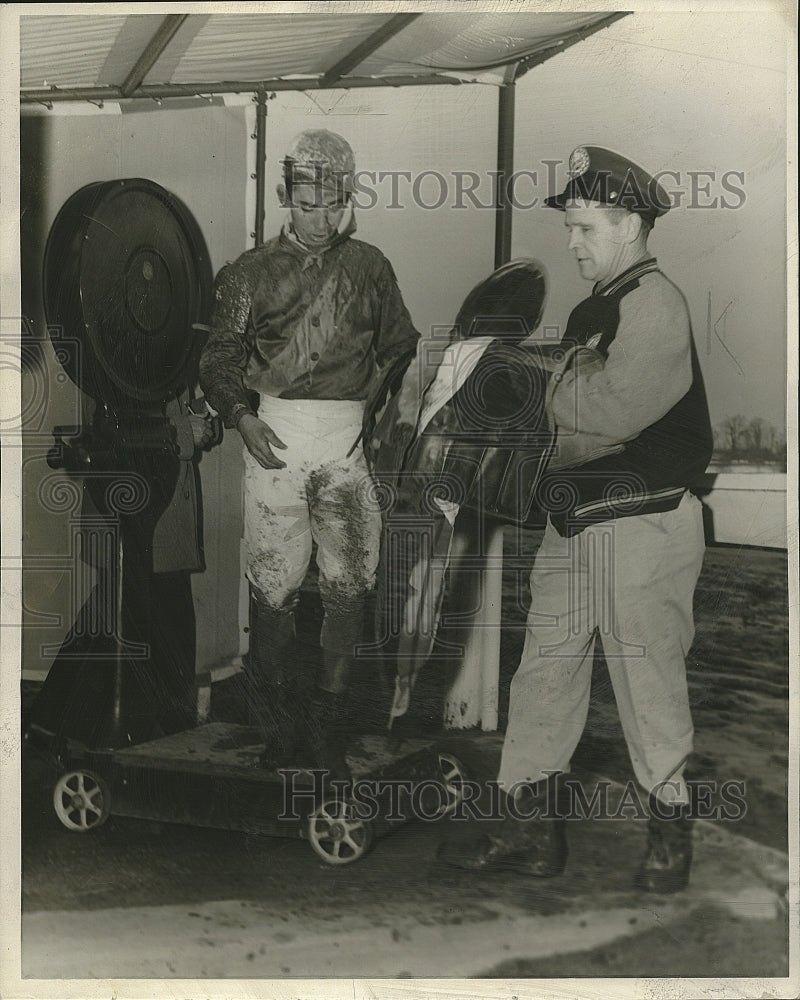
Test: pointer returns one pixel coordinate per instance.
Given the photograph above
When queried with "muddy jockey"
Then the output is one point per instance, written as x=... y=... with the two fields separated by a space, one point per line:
x=301 y=329
x=645 y=412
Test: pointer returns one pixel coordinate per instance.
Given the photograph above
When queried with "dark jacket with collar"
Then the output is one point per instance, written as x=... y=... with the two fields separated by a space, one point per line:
x=639 y=323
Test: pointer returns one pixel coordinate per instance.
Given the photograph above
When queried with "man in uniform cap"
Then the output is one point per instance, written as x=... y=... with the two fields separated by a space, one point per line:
x=623 y=546
x=301 y=329
x=605 y=178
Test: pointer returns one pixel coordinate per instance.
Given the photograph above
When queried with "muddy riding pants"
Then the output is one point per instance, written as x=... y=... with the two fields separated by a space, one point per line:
x=322 y=497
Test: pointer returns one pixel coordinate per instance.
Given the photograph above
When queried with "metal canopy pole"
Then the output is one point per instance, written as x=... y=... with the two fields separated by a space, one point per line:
x=260 y=174
x=150 y=56
x=162 y=91
x=366 y=48
x=505 y=170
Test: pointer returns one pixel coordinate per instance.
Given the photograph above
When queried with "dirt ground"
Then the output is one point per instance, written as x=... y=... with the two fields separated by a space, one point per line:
x=138 y=899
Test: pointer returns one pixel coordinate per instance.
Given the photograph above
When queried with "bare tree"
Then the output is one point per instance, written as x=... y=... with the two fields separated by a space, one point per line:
x=755 y=434
x=734 y=429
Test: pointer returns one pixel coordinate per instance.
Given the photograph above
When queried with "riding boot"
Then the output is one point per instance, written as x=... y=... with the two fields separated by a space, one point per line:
x=668 y=859
x=274 y=712
x=530 y=839
x=329 y=718
x=272 y=649
x=327 y=734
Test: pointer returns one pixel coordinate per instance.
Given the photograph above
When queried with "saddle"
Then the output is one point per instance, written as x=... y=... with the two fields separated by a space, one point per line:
x=475 y=428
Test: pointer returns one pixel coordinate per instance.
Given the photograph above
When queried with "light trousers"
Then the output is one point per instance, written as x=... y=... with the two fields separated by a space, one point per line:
x=631 y=581
x=323 y=497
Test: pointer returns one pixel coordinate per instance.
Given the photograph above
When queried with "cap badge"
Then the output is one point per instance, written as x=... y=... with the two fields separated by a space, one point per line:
x=578 y=162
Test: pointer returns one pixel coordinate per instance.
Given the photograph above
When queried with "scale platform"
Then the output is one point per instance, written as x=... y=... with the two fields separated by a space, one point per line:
x=212 y=776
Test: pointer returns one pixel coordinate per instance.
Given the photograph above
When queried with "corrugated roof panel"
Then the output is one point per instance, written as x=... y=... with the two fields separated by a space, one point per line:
x=67 y=50
x=84 y=50
x=460 y=43
x=268 y=46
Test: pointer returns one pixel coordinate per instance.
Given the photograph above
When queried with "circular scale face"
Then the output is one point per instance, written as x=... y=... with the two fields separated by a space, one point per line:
x=126 y=275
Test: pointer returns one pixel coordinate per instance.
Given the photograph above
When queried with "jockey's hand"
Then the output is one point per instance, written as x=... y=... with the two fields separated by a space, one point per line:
x=260 y=439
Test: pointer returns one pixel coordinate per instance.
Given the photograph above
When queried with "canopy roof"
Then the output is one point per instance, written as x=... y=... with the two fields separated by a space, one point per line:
x=119 y=56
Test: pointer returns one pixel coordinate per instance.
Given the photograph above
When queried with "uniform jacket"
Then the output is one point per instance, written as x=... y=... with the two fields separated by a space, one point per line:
x=649 y=396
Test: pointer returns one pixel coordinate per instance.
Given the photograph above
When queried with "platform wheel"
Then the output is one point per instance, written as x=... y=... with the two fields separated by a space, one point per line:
x=81 y=800
x=337 y=834
x=453 y=775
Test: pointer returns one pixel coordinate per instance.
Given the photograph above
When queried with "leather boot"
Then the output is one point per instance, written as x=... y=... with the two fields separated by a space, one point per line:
x=329 y=717
x=267 y=667
x=668 y=859
x=274 y=714
x=535 y=846
x=328 y=732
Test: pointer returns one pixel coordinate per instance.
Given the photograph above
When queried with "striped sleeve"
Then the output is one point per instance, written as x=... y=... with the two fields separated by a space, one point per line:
x=648 y=369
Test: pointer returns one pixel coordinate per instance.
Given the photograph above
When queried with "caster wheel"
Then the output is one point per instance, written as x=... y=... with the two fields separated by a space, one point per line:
x=453 y=775
x=336 y=833
x=81 y=800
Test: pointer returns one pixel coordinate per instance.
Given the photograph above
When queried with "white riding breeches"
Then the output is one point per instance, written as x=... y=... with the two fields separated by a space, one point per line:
x=322 y=497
